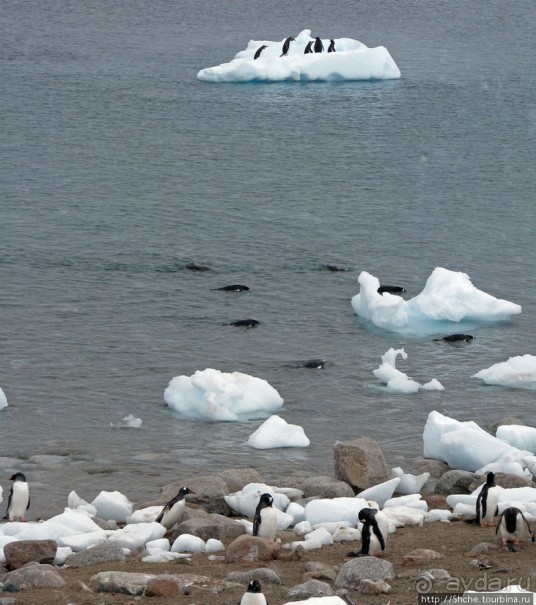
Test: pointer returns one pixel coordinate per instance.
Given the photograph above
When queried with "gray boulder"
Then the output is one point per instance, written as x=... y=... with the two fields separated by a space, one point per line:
x=251 y=549
x=326 y=487
x=32 y=575
x=209 y=493
x=121 y=582
x=360 y=463
x=212 y=526
x=455 y=482
x=101 y=553
x=364 y=568
x=19 y=553
x=263 y=574
x=237 y=478
x=311 y=588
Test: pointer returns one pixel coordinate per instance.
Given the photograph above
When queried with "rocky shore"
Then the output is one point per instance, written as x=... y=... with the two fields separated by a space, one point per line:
x=425 y=557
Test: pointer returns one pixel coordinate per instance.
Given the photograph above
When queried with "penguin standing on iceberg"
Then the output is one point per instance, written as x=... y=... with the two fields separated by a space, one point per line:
x=253 y=595
x=512 y=525
x=173 y=510
x=487 y=501
x=19 y=498
x=265 y=518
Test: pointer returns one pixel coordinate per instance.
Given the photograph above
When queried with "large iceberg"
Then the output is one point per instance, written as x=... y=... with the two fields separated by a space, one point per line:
x=219 y=396
x=448 y=302
x=466 y=446
x=352 y=60
x=517 y=373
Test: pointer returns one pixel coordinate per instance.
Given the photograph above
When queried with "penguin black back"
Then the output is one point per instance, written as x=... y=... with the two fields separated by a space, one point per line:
x=308 y=48
x=331 y=47
x=319 y=47
x=259 y=51
x=286 y=46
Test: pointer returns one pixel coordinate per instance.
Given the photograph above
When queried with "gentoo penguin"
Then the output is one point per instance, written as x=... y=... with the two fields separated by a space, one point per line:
x=172 y=511
x=331 y=48
x=308 y=48
x=512 y=526
x=286 y=46
x=319 y=47
x=486 y=502
x=259 y=51
x=253 y=595
x=374 y=533
x=265 y=518
x=19 y=498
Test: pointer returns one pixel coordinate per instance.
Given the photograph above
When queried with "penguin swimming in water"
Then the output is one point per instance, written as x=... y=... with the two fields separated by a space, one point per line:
x=457 y=338
x=259 y=51
x=308 y=48
x=374 y=533
x=331 y=48
x=265 y=518
x=286 y=46
x=512 y=527
x=19 y=498
x=172 y=511
x=253 y=595
x=486 y=502
x=319 y=47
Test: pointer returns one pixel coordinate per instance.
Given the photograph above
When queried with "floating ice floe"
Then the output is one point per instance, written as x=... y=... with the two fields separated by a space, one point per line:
x=409 y=484
x=397 y=381
x=352 y=60
x=3 y=399
x=128 y=422
x=275 y=432
x=448 y=303
x=219 y=396
x=464 y=445
x=517 y=373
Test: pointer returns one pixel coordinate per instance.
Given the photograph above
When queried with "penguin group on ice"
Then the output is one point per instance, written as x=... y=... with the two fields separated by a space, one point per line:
x=313 y=46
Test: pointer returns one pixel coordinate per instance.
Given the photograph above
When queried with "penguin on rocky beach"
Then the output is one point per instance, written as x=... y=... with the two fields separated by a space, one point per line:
x=374 y=533
x=19 y=498
x=487 y=501
x=173 y=510
x=512 y=526
x=265 y=518
x=253 y=595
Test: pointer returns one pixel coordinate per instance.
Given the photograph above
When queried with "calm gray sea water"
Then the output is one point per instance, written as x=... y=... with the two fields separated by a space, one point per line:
x=120 y=168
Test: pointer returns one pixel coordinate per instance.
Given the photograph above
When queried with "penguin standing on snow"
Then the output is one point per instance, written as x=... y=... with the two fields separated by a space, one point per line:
x=19 y=498
x=256 y=56
x=253 y=595
x=172 y=511
x=319 y=47
x=265 y=518
x=331 y=48
x=486 y=502
x=374 y=533
x=512 y=527
x=308 y=50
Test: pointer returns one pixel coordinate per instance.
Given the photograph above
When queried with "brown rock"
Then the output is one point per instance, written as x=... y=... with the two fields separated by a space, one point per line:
x=161 y=587
x=25 y=551
x=249 y=549
x=505 y=480
x=360 y=463
x=435 y=501
x=373 y=587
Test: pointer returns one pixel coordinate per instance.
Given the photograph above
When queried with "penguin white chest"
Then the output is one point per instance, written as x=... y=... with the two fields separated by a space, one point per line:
x=19 y=500
x=173 y=515
x=268 y=524
x=253 y=598
x=491 y=504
